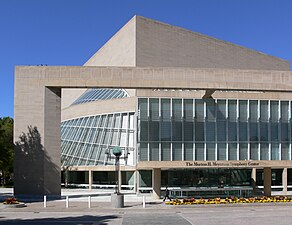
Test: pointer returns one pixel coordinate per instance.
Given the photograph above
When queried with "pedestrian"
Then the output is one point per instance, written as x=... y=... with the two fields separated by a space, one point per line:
x=166 y=194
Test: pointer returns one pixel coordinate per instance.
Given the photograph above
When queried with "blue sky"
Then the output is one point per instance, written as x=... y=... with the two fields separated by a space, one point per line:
x=68 y=32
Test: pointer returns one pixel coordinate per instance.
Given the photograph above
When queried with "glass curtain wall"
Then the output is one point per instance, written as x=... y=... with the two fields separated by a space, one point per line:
x=207 y=129
x=206 y=177
x=100 y=94
x=87 y=141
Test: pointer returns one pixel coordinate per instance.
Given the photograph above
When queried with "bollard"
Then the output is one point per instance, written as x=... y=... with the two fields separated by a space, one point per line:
x=89 y=202
x=45 y=201
x=144 y=201
x=67 y=201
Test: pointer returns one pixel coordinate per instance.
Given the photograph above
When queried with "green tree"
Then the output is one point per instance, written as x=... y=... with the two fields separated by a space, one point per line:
x=6 y=150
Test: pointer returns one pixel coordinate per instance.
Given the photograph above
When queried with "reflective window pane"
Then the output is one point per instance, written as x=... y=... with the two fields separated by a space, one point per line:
x=243 y=126
x=264 y=131
x=143 y=131
x=253 y=110
x=210 y=131
x=188 y=151
x=210 y=151
x=243 y=151
x=232 y=151
x=188 y=131
x=176 y=131
x=221 y=130
x=177 y=109
x=221 y=152
x=275 y=151
x=142 y=108
x=143 y=153
x=165 y=130
x=199 y=131
x=154 y=108
x=243 y=110
x=165 y=151
x=264 y=151
x=199 y=110
x=285 y=151
x=165 y=109
x=211 y=109
x=153 y=131
x=221 y=109
x=199 y=152
x=232 y=110
x=274 y=110
x=254 y=150
x=264 y=110
x=177 y=151
x=188 y=109
x=154 y=151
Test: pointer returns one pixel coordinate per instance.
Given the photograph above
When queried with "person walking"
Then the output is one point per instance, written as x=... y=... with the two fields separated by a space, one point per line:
x=166 y=194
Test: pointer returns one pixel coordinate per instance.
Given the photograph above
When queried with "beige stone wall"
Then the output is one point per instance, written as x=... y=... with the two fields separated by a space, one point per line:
x=157 y=78
x=162 y=45
x=70 y=95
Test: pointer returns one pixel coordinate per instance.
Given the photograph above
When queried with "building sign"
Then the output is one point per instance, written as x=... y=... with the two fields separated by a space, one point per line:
x=214 y=164
x=222 y=164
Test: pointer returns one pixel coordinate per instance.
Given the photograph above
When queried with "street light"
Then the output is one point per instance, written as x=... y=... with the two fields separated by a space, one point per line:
x=117 y=153
x=117 y=199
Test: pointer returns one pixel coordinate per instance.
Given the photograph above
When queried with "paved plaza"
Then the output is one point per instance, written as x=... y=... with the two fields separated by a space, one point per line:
x=156 y=212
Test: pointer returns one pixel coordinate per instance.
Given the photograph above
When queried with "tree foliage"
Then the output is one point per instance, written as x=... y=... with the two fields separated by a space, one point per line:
x=6 y=150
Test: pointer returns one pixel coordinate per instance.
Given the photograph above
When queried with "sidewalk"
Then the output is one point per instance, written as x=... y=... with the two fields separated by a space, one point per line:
x=78 y=201
x=155 y=213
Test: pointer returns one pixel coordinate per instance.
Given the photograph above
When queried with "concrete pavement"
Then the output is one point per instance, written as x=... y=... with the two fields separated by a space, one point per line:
x=156 y=212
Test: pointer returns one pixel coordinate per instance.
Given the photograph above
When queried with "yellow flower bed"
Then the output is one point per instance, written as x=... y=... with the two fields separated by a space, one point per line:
x=230 y=200
x=10 y=201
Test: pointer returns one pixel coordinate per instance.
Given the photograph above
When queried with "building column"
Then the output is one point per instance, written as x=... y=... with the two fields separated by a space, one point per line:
x=136 y=179
x=120 y=180
x=90 y=173
x=254 y=179
x=285 y=181
x=156 y=182
x=267 y=181
x=37 y=121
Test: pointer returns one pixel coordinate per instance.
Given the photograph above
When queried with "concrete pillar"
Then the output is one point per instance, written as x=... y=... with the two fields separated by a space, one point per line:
x=136 y=181
x=90 y=176
x=37 y=120
x=285 y=181
x=156 y=182
x=120 y=180
x=254 y=179
x=267 y=181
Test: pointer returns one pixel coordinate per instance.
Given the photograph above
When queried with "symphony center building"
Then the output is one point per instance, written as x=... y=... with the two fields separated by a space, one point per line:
x=217 y=138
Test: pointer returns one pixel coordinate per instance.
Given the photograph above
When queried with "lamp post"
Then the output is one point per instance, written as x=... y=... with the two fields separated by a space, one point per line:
x=117 y=199
x=117 y=153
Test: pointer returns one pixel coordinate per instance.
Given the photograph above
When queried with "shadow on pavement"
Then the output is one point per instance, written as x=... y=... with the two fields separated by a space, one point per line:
x=82 y=220
x=155 y=203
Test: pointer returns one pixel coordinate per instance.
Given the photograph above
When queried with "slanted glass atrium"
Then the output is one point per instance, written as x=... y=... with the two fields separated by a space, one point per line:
x=100 y=94
x=87 y=141
x=208 y=129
